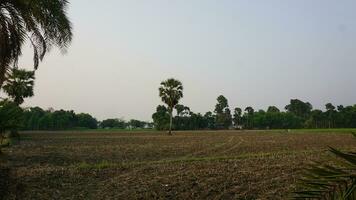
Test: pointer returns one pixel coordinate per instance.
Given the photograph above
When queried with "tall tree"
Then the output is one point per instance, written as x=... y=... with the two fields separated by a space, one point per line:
x=19 y=85
x=210 y=120
x=85 y=120
x=171 y=91
x=317 y=118
x=44 y=23
x=223 y=113
x=161 y=118
x=182 y=110
x=249 y=116
x=237 y=117
x=299 y=108
x=330 y=112
x=179 y=108
x=273 y=109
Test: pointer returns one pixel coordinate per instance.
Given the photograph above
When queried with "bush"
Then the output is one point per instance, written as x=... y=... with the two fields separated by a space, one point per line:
x=10 y=119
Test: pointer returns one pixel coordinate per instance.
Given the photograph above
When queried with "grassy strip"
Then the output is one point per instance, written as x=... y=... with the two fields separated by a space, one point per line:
x=332 y=130
x=313 y=131
x=99 y=130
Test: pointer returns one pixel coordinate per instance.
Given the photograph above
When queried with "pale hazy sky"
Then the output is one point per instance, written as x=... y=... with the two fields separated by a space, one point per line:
x=255 y=52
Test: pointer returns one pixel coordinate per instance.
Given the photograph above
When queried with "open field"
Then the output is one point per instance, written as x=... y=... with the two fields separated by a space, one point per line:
x=151 y=165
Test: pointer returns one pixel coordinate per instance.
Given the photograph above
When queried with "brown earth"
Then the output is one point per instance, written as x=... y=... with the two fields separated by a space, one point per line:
x=152 y=165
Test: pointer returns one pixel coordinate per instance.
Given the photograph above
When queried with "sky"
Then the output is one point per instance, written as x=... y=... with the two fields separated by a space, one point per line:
x=255 y=53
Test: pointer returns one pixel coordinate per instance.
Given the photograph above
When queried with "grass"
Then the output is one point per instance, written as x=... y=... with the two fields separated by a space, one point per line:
x=152 y=165
x=117 y=130
x=84 y=130
x=332 y=130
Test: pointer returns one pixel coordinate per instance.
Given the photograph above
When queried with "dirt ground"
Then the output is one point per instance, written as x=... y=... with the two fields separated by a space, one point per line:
x=152 y=165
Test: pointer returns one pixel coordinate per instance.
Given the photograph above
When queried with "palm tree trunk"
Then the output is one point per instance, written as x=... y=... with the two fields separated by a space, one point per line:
x=170 y=121
x=1 y=141
x=2 y=75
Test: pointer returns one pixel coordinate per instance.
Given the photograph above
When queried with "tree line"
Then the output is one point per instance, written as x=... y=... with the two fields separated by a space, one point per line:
x=297 y=114
x=36 y=118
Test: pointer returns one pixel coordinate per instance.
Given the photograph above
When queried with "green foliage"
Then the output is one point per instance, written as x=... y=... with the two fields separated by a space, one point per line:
x=38 y=119
x=330 y=181
x=223 y=118
x=192 y=121
x=221 y=105
x=182 y=110
x=185 y=120
x=44 y=22
x=161 y=118
x=273 y=109
x=210 y=120
x=10 y=118
x=298 y=115
x=171 y=91
x=113 y=123
x=237 y=118
x=137 y=124
x=299 y=108
x=248 y=117
x=276 y=120
x=87 y=121
x=19 y=85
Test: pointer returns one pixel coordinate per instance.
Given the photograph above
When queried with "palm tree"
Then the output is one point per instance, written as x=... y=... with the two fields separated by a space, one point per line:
x=19 y=85
x=237 y=117
x=250 y=112
x=44 y=23
x=171 y=91
x=330 y=181
x=330 y=111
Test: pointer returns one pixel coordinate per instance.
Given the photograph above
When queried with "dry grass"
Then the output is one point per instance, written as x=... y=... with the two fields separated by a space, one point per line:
x=151 y=165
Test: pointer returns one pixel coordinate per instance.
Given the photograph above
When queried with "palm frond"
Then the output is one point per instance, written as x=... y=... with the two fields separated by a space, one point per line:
x=171 y=91
x=19 y=85
x=330 y=181
x=44 y=23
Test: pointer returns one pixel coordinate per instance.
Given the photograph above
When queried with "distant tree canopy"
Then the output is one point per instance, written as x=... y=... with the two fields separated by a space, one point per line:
x=85 y=120
x=38 y=119
x=113 y=123
x=298 y=114
x=299 y=108
x=161 y=118
x=137 y=124
x=223 y=118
